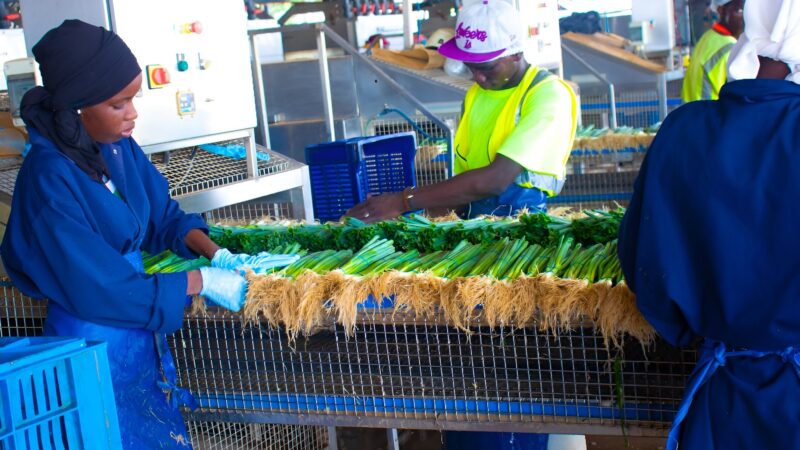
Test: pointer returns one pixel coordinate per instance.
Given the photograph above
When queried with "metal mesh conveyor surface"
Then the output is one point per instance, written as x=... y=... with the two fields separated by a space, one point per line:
x=193 y=169
x=9 y=167
x=431 y=161
x=20 y=315
x=247 y=212
x=435 y=75
x=599 y=179
x=397 y=371
x=237 y=436
x=187 y=170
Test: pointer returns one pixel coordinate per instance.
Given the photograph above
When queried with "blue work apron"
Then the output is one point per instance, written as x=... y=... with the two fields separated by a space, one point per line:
x=509 y=202
x=143 y=376
x=712 y=356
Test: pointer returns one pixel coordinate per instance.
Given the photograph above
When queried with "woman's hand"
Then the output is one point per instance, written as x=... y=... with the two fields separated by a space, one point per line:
x=378 y=208
x=260 y=263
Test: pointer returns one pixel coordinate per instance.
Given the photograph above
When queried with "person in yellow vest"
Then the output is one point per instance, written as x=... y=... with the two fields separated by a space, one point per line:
x=708 y=65
x=515 y=133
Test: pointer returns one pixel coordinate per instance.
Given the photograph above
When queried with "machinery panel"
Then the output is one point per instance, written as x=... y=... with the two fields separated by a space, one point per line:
x=42 y=15
x=541 y=17
x=194 y=56
x=12 y=46
x=658 y=19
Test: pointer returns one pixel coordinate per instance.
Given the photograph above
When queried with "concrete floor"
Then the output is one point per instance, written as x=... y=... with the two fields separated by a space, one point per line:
x=375 y=439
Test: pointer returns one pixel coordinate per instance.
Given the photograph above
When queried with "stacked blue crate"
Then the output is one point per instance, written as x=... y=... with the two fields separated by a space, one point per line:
x=56 y=393
x=345 y=172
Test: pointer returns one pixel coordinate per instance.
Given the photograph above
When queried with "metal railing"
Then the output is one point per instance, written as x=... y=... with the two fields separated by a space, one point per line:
x=325 y=32
x=611 y=95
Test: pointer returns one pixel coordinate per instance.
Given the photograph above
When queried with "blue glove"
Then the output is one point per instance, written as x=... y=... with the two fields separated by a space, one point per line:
x=264 y=261
x=224 y=259
x=233 y=151
x=225 y=288
x=259 y=263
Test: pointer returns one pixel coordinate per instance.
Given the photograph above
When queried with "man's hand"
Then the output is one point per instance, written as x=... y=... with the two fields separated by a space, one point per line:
x=378 y=208
x=453 y=193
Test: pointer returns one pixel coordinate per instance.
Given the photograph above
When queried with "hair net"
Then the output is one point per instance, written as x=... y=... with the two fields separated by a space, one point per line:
x=772 y=30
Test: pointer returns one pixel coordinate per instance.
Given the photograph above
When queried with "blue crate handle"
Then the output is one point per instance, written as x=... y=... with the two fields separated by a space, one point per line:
x=18 y=350
x=14 y=344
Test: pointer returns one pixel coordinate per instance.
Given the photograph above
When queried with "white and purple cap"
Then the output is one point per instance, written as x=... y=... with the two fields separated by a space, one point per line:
x=485 y=31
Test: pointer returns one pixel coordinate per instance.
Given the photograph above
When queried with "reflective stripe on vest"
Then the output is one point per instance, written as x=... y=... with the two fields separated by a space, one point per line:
x=545 y=182
x=709 y=75
x=707 y=71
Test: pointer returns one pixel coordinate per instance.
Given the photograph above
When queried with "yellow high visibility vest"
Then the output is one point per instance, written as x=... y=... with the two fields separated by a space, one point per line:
x=708 y=66
x=545 y=162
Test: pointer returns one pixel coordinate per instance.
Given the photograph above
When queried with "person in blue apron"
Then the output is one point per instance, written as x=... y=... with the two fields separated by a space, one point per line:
x=86 y=202
x=511 y=149
x=710 y=242
x=516 y=130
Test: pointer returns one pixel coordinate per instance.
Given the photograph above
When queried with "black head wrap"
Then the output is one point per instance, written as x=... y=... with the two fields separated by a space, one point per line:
x=81 y=65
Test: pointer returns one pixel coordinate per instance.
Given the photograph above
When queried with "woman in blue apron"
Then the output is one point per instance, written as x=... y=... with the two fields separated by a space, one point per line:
x=710 y=242
x=86 y=202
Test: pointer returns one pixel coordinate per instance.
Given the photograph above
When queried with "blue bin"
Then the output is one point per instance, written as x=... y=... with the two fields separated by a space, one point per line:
x=343 y=173
x=338 y=177
x=389 y=162
x=56 y=393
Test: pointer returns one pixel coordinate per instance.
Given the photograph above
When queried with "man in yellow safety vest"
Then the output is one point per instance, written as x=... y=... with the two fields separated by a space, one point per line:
x=516 y=130
x=708 y=66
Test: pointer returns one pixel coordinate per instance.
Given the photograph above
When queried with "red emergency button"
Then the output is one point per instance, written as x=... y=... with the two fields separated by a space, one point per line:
x=157 y=76
x=189 y=28
x=161 y=76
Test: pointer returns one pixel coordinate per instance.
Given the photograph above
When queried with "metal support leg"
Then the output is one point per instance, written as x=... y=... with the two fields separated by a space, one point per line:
x=251 y=158
x=408 y=35
x=326 y=83
x=662 y=96
x=332 y=445
x=612 y=99
x=612 y=106
x=394 y=442
x=308 y=203
x=258 y=87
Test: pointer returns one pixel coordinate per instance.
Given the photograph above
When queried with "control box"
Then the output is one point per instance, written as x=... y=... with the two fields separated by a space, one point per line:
x=195 y=59
x=658 y=24
x=20 y=76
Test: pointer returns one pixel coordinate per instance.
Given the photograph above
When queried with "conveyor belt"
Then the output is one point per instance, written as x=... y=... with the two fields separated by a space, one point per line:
x=189 y=170
x=395 y=369
x=435 y=75
x=9 y=167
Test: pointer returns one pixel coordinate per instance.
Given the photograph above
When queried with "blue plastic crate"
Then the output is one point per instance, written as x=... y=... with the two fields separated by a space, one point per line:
x=343 y=173
x=56 y=393
x=338 y=177
x=389 y=162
